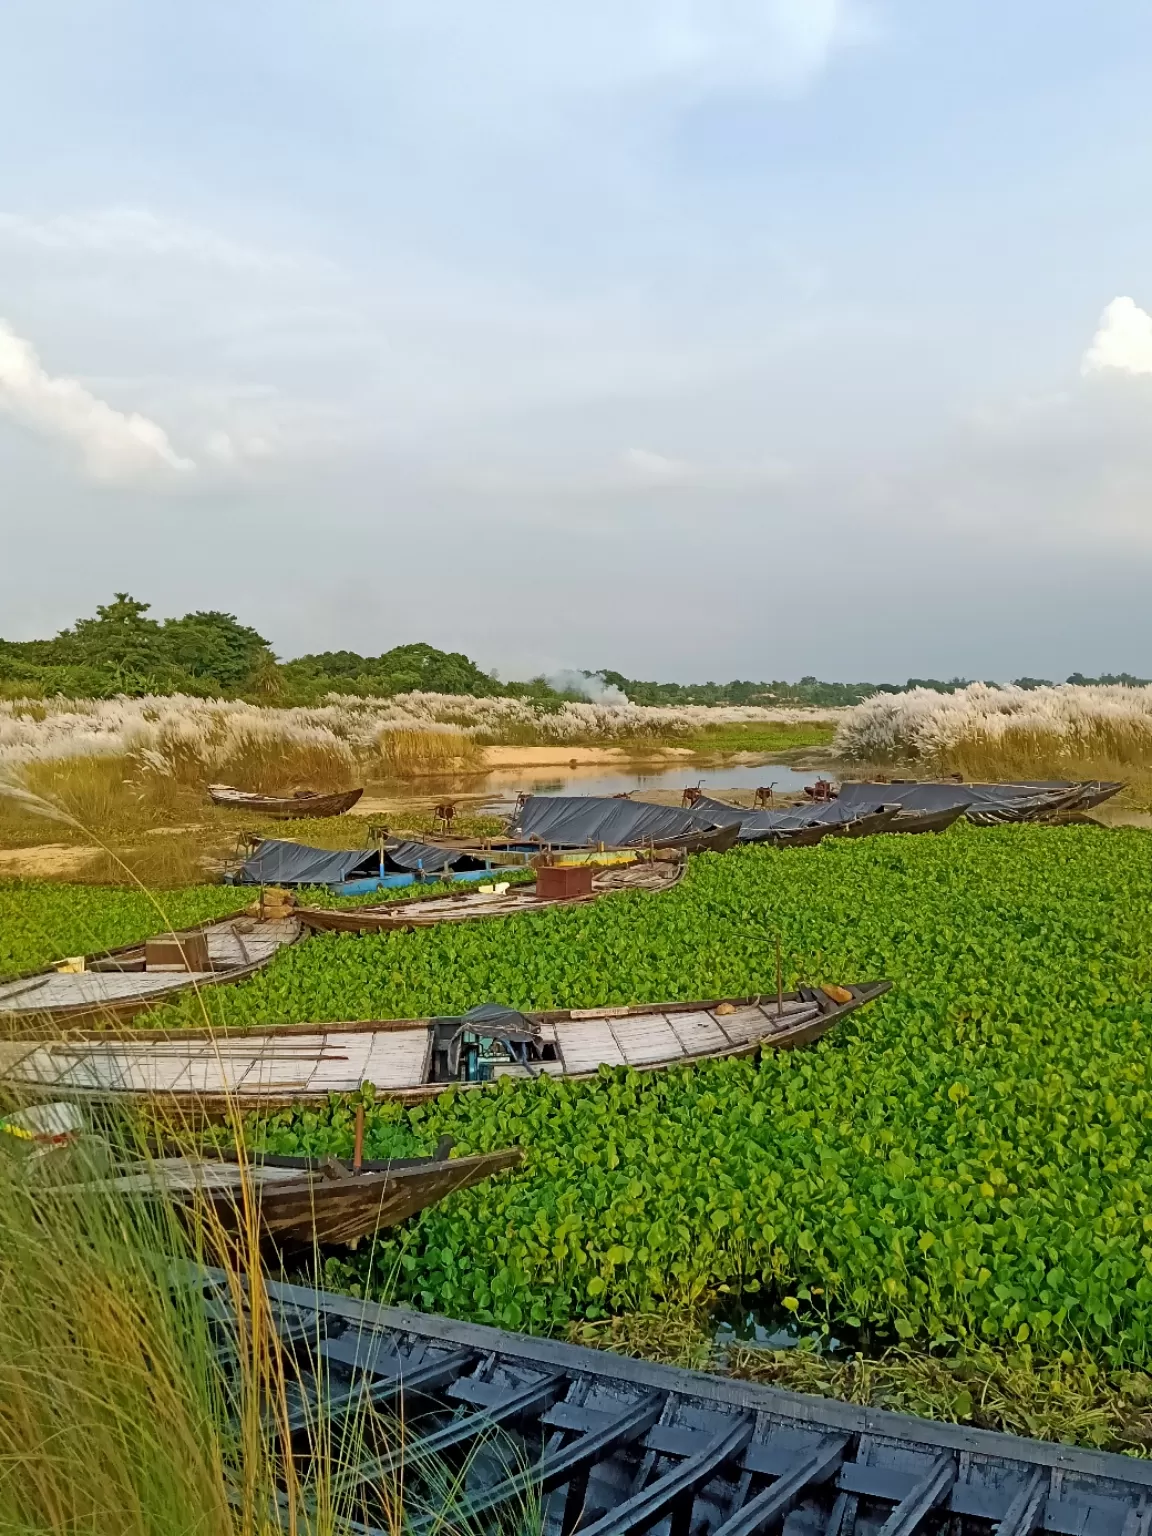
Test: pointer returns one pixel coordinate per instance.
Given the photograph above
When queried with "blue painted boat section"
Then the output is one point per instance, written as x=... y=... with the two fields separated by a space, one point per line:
x=394 y=882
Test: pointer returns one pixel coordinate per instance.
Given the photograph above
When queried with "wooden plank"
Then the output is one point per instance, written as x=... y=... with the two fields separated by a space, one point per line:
x=647 y=1039
x=743 y=1026
x=586 y=1044
x=698 y=1033
x=395 y=1059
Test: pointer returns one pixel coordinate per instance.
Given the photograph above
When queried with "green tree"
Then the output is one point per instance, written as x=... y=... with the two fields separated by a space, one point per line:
x=217 y=649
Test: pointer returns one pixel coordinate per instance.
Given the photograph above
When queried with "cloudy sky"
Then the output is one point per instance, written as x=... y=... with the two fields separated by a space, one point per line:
x=694 y=338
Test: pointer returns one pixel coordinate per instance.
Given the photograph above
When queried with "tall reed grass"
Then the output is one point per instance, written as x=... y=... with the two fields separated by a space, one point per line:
x=984 y=732
x=410 y=752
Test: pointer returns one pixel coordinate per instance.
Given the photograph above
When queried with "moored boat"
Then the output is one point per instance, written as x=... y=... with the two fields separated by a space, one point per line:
x=466 y=906
x=984 y=805
x=304 y=802
x=122 y=982
x=605 y=1445
x=412 y=1059
x=304 y=1202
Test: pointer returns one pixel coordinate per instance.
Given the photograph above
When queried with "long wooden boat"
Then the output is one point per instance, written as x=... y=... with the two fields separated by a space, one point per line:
x=413 y=1059
x=926 y=821
x=305 y=1203
x=603 y=1445
x=305 y=802
x=468 y=906
x=120 y=983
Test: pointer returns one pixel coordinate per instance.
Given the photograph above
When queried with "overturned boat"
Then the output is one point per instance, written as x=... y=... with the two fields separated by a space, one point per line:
x=554 y=886
x=411 y=1059
x=119 y=983
x=603 y=1445
x=304 y=803
x=984 y=805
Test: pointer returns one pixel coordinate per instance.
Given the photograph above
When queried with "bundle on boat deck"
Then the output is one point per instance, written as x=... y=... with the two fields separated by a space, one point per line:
x=466 y=906
x=590 y=821
x=983 y=804
x=418 y=1058
x=303 y=1202
x=602 y=1445
x=305 y=802
x=122 y=982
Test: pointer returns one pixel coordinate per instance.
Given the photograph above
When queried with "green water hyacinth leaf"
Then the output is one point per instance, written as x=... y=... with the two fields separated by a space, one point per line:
x=998 y=1099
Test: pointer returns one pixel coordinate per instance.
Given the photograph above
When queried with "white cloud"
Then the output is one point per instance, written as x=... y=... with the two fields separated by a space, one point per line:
x=1123 y=340
x=114 y=445
x=136 y=232
x=654 y=468
x=227 y=448
x=693 y=45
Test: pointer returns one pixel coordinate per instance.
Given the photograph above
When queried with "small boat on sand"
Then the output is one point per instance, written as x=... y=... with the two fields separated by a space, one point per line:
x=304 y=802
x=305 y=1202
x=499 y=901
x=412 y=1059
x=122 y=982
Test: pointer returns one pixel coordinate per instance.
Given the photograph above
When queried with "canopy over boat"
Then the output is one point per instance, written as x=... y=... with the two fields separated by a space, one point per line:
x=584 y=821
x=603 y=1445
x=277 y=862
x=984 y=804
x=790 y=824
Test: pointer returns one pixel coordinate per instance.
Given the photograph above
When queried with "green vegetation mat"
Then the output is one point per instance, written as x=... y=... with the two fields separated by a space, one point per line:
x=969 y=1158
x=42 y=921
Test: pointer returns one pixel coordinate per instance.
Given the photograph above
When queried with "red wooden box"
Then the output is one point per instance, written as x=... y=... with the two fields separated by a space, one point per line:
x=561 y=882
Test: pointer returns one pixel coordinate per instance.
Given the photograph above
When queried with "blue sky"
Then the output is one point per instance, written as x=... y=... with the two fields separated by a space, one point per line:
x=749 y=337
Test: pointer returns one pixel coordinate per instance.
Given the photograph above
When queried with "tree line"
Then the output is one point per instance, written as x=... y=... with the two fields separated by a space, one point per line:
x=122 y=649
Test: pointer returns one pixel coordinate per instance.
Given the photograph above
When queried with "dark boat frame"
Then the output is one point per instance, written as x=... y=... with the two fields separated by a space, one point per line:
x=308 y=803
x=602 y=1445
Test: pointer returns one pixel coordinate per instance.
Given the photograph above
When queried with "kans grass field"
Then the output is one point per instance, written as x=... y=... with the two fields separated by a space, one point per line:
x=965 y=1165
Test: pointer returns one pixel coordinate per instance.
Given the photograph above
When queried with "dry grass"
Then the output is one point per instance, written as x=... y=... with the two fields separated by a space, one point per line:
x=408 y=752
x=1069 y=1399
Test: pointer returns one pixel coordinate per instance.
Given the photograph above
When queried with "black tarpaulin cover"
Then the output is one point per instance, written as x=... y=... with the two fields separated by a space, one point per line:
x=407 y=857
x=761 y=826
x=275 y=862
x=1010 y=800
x=583 y=821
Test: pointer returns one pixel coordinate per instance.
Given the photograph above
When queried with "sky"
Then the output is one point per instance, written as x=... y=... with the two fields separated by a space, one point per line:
x=690 y=338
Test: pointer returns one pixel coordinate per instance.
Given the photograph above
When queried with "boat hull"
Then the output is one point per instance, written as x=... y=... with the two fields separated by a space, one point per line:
x=285 y=807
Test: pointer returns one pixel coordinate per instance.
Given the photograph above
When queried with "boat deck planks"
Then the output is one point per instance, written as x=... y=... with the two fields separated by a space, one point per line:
x=237 y=947
x=467 y=906
x=278 y=1066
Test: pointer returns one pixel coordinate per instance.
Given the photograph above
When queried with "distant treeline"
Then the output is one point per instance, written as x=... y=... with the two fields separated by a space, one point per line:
x=122 y=649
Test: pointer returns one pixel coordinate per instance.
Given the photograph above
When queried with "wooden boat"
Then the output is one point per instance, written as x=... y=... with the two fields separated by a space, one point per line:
x=647 y=875
x=304 y=1202
x=604 y=1445
x=926 y=821
x=305 y=802
x=412 y=1059
x=122 y=982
